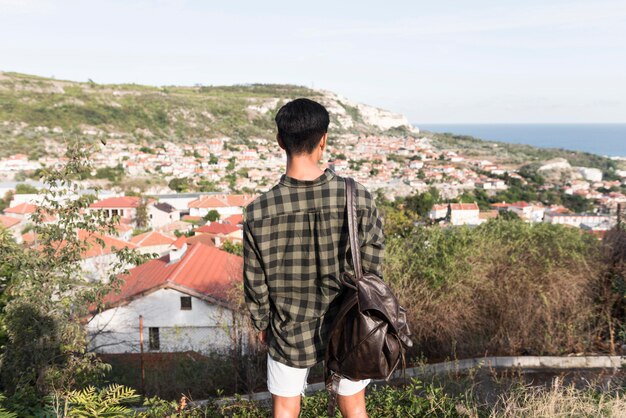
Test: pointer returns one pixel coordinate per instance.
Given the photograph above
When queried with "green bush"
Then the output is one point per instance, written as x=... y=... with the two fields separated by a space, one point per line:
x=505 y=287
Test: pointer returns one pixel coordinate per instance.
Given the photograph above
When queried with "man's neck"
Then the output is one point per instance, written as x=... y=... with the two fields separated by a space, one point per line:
x=303 y=168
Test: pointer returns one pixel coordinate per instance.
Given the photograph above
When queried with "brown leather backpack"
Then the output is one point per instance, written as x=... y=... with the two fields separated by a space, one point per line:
x=369 y=335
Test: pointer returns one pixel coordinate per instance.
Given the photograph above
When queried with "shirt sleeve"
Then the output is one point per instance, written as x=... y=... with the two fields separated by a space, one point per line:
x=373 y=242
x=254 y=283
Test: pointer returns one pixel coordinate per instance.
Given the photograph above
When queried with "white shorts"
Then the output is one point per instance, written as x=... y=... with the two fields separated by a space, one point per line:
x=287 y=381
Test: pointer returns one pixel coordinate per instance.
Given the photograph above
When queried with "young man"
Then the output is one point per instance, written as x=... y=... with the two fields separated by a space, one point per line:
x=295 y=248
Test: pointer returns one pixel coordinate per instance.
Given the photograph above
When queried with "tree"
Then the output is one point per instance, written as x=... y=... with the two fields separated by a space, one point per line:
x=6 y=201
x=142 y=213
x=48 y=298
x=180 y=185
x=422 y=203
x=113 y=174
x=576 y=203
x=212 y=216
x=509 y=215
x=24 y=188
x=232 y=247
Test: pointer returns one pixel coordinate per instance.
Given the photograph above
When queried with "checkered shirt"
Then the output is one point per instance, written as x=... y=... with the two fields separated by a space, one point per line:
x=295 y=247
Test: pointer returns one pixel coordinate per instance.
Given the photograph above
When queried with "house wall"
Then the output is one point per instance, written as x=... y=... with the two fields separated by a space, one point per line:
x=464 y=217
x=159 y=249
x=205 y=328
x=158 y=218
x=96 y=269
x=224 y=212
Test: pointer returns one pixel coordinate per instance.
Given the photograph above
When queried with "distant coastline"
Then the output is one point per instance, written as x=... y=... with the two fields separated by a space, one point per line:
x=607 y=139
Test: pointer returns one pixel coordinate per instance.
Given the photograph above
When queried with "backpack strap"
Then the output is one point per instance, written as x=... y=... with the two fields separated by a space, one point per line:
x=331 y=378
x=353 y=228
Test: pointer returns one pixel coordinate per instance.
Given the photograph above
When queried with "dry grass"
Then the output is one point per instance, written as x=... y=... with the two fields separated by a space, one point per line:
x=504 y=288
x=559 y=401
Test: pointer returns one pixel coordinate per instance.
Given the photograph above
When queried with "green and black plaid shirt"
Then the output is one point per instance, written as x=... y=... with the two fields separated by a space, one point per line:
x=295 y=247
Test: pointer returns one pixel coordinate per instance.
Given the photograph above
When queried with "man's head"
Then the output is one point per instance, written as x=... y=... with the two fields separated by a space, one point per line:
x=301 y=125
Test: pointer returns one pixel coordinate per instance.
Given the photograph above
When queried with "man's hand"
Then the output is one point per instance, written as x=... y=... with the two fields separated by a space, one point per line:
x=263 y=337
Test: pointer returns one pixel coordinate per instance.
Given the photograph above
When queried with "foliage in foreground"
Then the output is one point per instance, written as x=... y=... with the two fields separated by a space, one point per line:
x=45 y=295
x=510 y=288
x=415 y=399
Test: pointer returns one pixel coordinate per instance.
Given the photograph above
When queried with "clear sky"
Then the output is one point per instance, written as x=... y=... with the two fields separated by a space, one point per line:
x=435 y=61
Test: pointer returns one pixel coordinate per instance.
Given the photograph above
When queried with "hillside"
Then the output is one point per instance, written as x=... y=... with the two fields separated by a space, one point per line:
x=37 y=114
x=35 y=110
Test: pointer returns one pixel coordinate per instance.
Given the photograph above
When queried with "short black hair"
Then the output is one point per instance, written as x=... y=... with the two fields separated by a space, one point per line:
x=301 y=124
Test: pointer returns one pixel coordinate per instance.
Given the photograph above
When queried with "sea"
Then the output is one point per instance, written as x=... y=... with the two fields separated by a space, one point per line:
x=608 y=139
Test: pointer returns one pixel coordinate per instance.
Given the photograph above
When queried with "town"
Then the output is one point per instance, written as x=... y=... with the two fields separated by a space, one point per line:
x=191 y=216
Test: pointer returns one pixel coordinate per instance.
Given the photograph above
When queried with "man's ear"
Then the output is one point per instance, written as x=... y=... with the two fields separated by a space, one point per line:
x=280 y=142
x=323 y=141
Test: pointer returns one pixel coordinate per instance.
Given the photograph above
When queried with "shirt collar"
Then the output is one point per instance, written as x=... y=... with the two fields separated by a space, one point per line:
x=292 y=182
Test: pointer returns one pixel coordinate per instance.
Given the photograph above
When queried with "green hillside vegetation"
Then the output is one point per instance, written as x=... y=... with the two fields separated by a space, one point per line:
x=138 y=112
x=520 y=154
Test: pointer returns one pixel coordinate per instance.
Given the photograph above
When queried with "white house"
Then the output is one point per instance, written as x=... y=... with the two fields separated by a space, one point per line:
x=18 y=162
x=97 y=260
x=161 y=214
x=182 y=300
x=225 y=205
x=578 y=220
x=123 y=206
x=22 y=211
x=527 y=211
x=460 y=213
x=221 y=232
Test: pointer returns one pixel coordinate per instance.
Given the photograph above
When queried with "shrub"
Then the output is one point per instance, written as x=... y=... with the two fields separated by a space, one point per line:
x=505 y=287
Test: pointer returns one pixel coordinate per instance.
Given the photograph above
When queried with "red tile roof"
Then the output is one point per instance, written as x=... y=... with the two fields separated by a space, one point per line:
x=176 y=225
x=191 y=218
x=202 y=238
x=9 y=221
x=457 y=206
x=202 y=270
x=463 y=206
x=179 y=242
x=28 y=238
x=500 y=205
x=95 y=249
x=21 y=209
x=217 y=228
x=221 y=201
x=117 y=202
x=208 y=202
x=122 y=227
x=234 y=219
x=151 y=238
x=488 y=214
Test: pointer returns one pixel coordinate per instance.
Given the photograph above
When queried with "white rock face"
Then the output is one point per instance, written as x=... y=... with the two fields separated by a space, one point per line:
x=381 y=118
x=591 y=174
x=555 y=164
x=332 y=103
x=263 y=106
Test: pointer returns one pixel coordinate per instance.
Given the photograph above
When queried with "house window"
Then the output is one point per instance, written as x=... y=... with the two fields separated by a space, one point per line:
x=154 y=342
x=185 y=303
